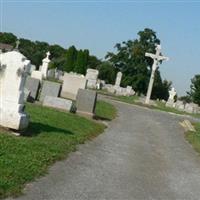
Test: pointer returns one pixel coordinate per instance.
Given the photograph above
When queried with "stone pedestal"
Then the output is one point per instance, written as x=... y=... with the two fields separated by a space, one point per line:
x=14 y=68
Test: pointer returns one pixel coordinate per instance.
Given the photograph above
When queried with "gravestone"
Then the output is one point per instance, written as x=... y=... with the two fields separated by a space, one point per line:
x=180 y=105
x=14 y=68
x=33 y=68
x=58 y=74
x=37 y=74
x=118 y=79
x=51 y=73
x=171 y=100
x=33 y=85
x=50 y=89
x=86 y=101
x=44 y=66
x=59 y=103
x=192 y=108
x=71 y=84
x=129 y=91
x=91 y=76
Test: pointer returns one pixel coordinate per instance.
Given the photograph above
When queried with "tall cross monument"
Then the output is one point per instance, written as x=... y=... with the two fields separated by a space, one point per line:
x=156 y=59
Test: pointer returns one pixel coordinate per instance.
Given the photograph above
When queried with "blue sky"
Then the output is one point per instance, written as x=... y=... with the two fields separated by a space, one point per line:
x=99 y=25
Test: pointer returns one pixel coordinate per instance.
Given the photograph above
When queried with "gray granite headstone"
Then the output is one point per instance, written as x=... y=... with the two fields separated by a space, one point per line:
x=32 y=85
x=86 y=101
x=50 y=89
x=59 y=103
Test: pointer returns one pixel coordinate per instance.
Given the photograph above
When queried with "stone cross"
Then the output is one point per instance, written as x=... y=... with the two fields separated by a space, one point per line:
x=156 y=59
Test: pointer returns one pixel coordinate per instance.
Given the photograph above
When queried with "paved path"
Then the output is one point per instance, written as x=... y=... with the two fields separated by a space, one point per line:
x=142 y=155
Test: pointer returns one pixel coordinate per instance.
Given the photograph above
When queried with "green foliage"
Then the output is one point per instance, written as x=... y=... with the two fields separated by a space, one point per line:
x=93 y=62
x=195 y=89
x=194 y=138
x=71 y=56
x=81 y=62
x=64 y=59
x=185 y=99
x=135 y=66
x=160 y=88
x=53 y=135
x=107 y=72
x=8 y=38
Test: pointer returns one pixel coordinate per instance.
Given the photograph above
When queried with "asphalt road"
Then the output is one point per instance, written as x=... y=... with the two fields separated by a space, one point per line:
x=141 y=155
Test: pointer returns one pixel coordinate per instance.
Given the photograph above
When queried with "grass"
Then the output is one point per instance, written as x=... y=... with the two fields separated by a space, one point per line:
x=194 y=138
x=105 y=111
x=53 y=134
x=160 y=105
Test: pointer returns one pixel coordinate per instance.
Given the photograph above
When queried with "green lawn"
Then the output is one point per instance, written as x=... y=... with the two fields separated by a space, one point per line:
x=160 y=105
x=53 y=135
x=194 y=138
x=105 y=111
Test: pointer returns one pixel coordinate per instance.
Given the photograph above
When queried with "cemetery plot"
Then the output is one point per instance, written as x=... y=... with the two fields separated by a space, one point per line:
x=51 y=136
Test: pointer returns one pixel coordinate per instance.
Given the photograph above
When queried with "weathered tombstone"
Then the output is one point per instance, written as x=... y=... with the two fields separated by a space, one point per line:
x=71 y=84
x=191 y=108
x=37 y=74
x=14 y=68
x=58 y=74
x=86 y=101
x=171 y=100
x=118 y=79
x=129 y=91
x=44 y=66
x=33 y=85
x=59 y=103
x=91 y=76
x=33 y=68
x=179 y=105
x=50 y=89
x=26 y=94
x=51 y=73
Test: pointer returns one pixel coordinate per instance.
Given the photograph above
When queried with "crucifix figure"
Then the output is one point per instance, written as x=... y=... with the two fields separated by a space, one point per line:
x=156 y=59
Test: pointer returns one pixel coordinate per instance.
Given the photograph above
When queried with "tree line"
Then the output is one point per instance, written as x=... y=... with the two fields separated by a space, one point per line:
x=129 y=58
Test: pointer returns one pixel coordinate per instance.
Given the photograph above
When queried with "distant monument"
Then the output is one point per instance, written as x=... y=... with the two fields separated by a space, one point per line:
x=156 y=59
x=171 y=99
x=45 y=64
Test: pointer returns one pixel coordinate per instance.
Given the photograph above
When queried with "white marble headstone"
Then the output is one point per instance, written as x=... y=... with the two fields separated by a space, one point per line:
x=118 y=79
x=14 y=68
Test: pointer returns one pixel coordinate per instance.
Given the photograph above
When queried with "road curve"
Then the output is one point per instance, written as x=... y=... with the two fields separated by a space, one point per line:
x=141 y=155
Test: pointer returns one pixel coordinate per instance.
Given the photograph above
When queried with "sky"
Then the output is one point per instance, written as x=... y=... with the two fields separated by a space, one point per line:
x=99 y=25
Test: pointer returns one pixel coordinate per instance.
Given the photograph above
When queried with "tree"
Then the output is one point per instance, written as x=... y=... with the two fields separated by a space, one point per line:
x=8 y=38
x=71 y=57
x=130 y=59
x=56 y=51
x=195 y=89
x=93 y=62
x=107 y=72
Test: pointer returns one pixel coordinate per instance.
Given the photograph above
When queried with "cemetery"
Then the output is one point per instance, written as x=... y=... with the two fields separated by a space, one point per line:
x=33 y=107
x=82 y=121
